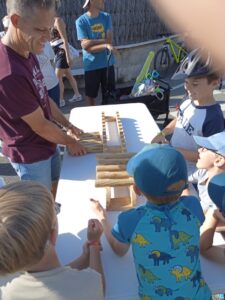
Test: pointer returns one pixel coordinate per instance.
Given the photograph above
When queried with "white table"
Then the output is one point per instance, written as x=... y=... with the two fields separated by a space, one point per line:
x=77 y=186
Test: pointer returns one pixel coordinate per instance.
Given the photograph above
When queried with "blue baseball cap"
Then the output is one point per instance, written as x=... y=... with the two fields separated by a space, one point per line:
x=215 y=142
x=156 y=167
x=216 y=191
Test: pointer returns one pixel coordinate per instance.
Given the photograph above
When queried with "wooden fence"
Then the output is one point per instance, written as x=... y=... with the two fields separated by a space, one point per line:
x=134 y=21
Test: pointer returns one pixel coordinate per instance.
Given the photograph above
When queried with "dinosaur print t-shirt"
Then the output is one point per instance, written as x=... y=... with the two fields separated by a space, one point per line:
x=165 y=245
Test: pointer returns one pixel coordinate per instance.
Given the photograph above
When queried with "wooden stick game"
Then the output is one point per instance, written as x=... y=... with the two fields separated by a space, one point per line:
x=111 y=167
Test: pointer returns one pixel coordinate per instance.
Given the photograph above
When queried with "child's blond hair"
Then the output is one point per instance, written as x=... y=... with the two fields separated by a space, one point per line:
x=26 y=221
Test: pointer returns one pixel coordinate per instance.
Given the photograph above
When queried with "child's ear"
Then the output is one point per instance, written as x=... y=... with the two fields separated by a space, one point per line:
x=219 y=161
x=54 y=234
x=137 y=190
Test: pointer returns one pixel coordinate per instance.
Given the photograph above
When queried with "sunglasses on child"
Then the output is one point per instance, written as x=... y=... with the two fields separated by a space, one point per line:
x=57 y=208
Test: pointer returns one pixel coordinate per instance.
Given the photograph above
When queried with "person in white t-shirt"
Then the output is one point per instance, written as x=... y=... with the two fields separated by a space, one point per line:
x=28 y=235
x=45 y=59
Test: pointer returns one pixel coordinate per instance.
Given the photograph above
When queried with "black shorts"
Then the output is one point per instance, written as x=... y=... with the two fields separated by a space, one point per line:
x=94 y=78
x=60 y=60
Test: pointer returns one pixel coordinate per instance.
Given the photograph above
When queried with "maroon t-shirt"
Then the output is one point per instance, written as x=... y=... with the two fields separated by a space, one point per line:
x=22 y=91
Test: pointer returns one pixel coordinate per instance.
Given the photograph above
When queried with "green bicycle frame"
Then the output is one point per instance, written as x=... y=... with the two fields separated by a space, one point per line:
x=175 y=49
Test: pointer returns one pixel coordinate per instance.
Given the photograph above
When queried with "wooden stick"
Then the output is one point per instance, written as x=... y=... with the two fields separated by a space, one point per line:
x=109 y=168
x=113 y=182
x=112 y=175
x=90 y=142
x=115 y=155
x=113 y=161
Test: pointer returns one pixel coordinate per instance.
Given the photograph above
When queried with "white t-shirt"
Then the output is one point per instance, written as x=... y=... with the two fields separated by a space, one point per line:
x=47 y=69
x=62 y=283
x=2 y=33
x=195 y=120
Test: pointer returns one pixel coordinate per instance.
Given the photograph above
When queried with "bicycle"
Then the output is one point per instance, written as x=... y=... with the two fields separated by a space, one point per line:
x=162 y=58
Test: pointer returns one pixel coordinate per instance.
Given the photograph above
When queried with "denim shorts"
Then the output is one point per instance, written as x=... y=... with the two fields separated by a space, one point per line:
x=44 y=171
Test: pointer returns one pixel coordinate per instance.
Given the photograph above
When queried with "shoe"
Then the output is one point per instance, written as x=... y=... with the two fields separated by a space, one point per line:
x=62 y=103
x=76 y=98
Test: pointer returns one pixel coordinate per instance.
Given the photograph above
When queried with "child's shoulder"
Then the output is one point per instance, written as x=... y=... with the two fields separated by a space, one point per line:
x=133 y=214
x=192 y=204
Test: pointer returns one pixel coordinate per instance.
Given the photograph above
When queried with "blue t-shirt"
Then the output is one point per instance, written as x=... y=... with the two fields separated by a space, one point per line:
x=94 y=28
x=165 y=245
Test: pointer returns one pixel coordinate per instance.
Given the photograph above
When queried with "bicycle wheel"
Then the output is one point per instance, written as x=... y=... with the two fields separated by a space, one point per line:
x=162 y=61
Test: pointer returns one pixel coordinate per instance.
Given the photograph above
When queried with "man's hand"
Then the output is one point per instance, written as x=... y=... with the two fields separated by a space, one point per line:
x=97 y=208
x=74 y=131
x=75 y=148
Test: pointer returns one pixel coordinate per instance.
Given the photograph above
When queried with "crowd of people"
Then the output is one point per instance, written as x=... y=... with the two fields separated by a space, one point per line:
x=169 y=232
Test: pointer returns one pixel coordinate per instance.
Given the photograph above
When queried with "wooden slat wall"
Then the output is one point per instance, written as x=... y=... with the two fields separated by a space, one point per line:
x=134 y=21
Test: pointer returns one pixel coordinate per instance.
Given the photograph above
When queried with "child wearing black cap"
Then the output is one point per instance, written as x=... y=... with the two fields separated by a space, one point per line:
x=163 y=233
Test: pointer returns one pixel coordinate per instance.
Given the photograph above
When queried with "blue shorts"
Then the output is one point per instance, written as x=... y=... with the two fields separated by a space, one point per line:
x=44 y=171
x=54 y=93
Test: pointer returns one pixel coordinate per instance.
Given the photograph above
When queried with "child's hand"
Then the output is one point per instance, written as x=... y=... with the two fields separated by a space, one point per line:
x=159 y=139
x=98 y=210
x=94 y=231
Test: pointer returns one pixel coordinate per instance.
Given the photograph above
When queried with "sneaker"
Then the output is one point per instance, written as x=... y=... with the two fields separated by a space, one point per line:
x=76 y=98
x=62 y=103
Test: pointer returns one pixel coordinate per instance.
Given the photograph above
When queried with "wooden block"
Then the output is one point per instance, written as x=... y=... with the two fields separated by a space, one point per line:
x=115 y=155
x=111 y=148
x=112 y=175
x=110 y=168
x=110 y=119
x=119 y=204
x=113 y=182
x=113 y=161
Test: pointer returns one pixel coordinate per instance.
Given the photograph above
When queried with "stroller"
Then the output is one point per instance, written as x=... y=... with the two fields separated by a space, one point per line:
x=157 y=102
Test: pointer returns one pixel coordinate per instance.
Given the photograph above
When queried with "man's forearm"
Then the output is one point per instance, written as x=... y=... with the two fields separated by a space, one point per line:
x=58 y=116
x=52 y=133
x=90 y=43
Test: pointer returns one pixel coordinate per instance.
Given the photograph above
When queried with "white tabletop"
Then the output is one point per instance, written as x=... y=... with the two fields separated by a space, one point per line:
x=77 y=186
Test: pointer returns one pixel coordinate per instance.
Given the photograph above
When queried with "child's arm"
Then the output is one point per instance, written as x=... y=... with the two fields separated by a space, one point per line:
x=93 y=235
x=168 y=130
x=208 y=228
x=118 y=247
x=82 y=262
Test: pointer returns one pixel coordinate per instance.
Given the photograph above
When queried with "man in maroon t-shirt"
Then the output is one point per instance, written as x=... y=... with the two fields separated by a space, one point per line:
x=27 y=116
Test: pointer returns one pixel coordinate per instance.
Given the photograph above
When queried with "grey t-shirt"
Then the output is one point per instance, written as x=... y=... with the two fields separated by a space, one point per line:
x=63 y=283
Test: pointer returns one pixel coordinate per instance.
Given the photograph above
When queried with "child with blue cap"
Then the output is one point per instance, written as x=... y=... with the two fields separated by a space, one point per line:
x=163 y=233
x=216 y=191
x=211 y=161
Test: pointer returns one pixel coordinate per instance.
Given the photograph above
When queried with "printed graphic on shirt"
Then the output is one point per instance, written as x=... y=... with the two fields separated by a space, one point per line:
x=39 y=83
x=98 y=31
x=188 y=127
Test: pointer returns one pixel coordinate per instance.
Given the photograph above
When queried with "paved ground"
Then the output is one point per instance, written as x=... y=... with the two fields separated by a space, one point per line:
x=177 y=92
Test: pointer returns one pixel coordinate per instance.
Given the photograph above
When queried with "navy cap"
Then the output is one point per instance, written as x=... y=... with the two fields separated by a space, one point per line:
x=156 y=167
